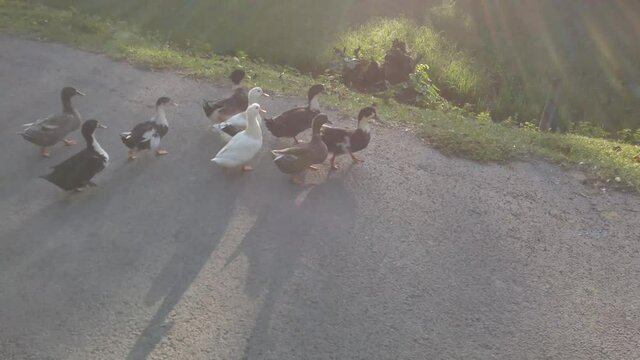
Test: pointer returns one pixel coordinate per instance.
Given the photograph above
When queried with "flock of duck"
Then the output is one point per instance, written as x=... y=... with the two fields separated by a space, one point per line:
x=237 y=119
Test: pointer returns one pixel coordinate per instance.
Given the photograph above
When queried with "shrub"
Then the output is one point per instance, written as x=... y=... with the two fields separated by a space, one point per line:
x=429 y=94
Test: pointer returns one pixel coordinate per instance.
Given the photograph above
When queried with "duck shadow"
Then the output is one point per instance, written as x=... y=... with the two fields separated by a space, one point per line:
x=90 y=243
x=285 y=230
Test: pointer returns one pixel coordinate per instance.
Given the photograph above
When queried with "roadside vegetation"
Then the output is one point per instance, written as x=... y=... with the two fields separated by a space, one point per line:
x=469 y=131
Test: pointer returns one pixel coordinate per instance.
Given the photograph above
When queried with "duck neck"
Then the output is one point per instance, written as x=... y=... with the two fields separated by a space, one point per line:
x=235 y=87
x=161 y=116
x=314 y=103
x=90 y=139
x=315 y=131
x=67 y=108
x=253 y=98
x=363 y=125
x=253 y=125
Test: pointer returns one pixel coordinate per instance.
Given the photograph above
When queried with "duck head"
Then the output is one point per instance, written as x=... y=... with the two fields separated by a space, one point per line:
x=66 y=94
x=314 y=93
x=317 y=122
x=164 y=102
x=255 y=94
x=237 y=76
x=89 y=127
x=69 y=92
x=254 y=110
x=365 y=115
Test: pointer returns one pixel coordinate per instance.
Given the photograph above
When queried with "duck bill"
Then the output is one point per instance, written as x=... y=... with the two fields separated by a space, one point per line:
x=80 y=93
x=100 y=126
x=175 y=104
x=265 y=94
x=263 y=111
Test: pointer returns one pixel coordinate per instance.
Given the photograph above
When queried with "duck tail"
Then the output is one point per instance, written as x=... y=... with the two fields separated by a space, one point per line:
x=229 y=130
x=126 y=139
x=206 y=106
x=270 y=124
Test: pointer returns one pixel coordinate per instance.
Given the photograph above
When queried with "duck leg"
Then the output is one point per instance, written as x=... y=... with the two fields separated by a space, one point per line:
x=333 y=165
x=355 y=159
x=69 y=142
x=132 y=154
x=297 y=179
x=44 y=152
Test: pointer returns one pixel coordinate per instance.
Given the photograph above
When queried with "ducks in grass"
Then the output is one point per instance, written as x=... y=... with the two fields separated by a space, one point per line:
x=300 y=157
x=238 y=122
x=220 y=110
x=49 y=131
x=76 y=172
x=292 y=122
x=348 y=141
x=146 y=135
x=245 y=145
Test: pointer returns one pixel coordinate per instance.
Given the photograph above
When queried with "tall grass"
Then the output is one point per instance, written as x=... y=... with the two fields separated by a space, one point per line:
x=288 y=32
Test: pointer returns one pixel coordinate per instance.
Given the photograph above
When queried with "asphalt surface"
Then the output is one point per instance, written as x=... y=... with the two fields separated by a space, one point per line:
x=411 y=255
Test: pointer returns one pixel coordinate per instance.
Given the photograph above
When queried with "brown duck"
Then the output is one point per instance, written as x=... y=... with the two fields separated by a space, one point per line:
x=298 y=158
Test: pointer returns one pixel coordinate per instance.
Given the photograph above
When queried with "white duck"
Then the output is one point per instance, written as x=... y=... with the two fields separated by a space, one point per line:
x=245 y=145
x=238 y=122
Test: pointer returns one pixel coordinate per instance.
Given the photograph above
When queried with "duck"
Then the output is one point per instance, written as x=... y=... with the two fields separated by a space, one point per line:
x=298 y=158
x=76 y=172
x=49 y=131
x=238 y=122
x=292 y=122
x=245 y=145
x=340 y=141
x=220 y=110
x=146 y=135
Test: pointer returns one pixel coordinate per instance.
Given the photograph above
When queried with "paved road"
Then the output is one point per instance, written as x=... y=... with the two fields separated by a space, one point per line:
x=411 y=255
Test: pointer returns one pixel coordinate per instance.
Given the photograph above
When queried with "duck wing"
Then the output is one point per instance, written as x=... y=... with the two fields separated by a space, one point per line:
x=49 y=130
x=297 y=151
x=140 y=136
x=294 y=159
x=336 y=139
x=291 y=122
x=222 y=109
x=76 y=171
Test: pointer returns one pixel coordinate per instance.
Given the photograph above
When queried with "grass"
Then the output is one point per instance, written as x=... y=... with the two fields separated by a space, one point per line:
x=454 y=132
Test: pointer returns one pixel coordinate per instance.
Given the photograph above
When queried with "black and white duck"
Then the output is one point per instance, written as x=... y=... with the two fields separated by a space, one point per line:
x=292 y=122
x=238 y=122
x=348 y=141
x=302 y=156
x=49 y=131
x=76 y=172
x=147 y=135
x=220 y=110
